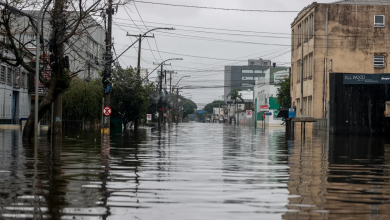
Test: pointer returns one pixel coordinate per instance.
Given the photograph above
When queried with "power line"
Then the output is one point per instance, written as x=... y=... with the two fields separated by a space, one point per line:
x=148 y=28
x=213 y=8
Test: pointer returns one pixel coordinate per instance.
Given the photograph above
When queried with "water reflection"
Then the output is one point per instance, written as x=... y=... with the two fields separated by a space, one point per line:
x=194 y=171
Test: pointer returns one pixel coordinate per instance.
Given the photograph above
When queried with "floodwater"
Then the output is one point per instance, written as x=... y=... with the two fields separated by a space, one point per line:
x=195 y=171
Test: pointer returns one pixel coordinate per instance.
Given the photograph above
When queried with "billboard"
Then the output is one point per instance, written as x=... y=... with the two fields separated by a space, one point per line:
x=277 y=75
x=216 y=111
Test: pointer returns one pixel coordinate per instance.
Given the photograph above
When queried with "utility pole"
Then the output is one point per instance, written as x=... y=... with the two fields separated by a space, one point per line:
x=177 y=105
x=107 y=69
x=160 y=99
x=140 y=36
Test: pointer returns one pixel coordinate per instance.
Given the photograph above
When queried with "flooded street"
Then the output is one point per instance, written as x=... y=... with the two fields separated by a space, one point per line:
x=195 y=171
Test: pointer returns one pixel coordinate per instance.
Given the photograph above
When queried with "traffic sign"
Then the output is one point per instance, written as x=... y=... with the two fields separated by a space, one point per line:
x=107 y=111
x=149 y=117
x=264 y=108
x=248 y=113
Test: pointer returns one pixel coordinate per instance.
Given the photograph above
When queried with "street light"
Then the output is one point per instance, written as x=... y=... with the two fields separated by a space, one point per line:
x=180 y=79
x=37 y=59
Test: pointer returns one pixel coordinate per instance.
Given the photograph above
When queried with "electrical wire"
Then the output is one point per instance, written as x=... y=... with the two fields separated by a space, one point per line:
x=213 y=8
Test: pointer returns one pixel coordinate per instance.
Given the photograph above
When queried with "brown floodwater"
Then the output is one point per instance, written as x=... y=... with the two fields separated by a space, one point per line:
x=194 y=171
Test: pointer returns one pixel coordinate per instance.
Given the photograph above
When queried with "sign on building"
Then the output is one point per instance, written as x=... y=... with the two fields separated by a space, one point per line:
x=248 y=113
x=264 y=108
x=149 y=117
x=277 y=75
x=364 y=79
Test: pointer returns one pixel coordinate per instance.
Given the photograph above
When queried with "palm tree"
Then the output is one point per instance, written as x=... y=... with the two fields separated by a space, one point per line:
x=234 y=95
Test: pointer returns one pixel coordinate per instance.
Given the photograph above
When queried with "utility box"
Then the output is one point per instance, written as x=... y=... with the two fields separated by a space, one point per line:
x=387 y=111
x=291 y=113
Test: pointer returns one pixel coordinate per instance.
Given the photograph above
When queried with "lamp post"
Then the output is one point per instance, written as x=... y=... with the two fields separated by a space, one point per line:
x=37 y=58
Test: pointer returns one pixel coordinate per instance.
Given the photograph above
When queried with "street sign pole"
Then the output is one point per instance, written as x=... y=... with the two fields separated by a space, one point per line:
x=255 y=114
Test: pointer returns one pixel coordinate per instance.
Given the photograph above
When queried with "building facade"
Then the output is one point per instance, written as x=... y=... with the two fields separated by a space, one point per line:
x=85 y=54
x=265 y=92
x=345 y=37
x=242 y=77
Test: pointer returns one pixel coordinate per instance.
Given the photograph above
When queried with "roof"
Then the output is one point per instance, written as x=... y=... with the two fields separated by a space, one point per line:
x=363 y=2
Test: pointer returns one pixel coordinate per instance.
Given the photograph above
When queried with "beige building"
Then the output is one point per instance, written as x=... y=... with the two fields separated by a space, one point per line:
x=350 y=36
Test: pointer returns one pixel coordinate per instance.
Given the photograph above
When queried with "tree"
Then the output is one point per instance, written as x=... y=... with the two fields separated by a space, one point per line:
x=235 y=94
x=215 y=104
x=189 y=107
x=83 y=100
x=64 y=23
x=283 y=94
x=130 y=97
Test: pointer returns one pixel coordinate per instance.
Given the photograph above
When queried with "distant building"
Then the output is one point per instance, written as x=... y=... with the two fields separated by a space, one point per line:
x=265 y=92
x=259 y=62
x=242 y=77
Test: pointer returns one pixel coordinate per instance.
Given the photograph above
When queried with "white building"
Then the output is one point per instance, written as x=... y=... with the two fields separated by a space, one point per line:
x=265 y=92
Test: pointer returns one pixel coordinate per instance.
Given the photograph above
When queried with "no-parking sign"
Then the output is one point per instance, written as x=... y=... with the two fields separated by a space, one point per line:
x=107 y=111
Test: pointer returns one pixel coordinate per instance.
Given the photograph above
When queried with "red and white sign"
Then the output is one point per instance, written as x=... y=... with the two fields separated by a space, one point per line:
x=149 y=117
x=264 y=108
x=107 y=111
x=248 y=113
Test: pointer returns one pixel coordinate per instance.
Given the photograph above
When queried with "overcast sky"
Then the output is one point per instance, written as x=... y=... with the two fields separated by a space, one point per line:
x=196 y=41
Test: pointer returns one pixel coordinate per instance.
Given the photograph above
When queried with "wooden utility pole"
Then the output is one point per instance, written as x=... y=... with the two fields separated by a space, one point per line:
x=160 y=113
x=177 y=104
x=107 y=69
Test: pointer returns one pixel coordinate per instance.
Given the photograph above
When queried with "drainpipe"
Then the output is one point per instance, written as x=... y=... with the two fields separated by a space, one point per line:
x=325 y=60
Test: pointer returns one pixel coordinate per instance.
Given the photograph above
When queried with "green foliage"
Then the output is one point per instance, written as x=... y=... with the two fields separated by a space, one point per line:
x=83 y=100
x=130 y=98
x=235 y=94
x=215 y=104
x=283 y=94
x=189 y=107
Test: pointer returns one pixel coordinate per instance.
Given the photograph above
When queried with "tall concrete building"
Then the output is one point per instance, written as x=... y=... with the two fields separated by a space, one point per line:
x=343 y=37
x=243 y=77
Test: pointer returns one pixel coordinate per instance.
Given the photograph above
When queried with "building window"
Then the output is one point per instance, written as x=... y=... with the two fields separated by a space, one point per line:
x=311 y=26
x=299 y=71
x=310 y=106
x=246 y=71
x=291 y=75
x=379 y=21
x=306 y=30
x=298 y=107
x=311 y=66
x=379 y=61
x=9 y=75
x=292 y=39
x=247 y=84
x=247 y=78
x=258 y=71
x=299 y=35
x=304 y=106
x=2 y=74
